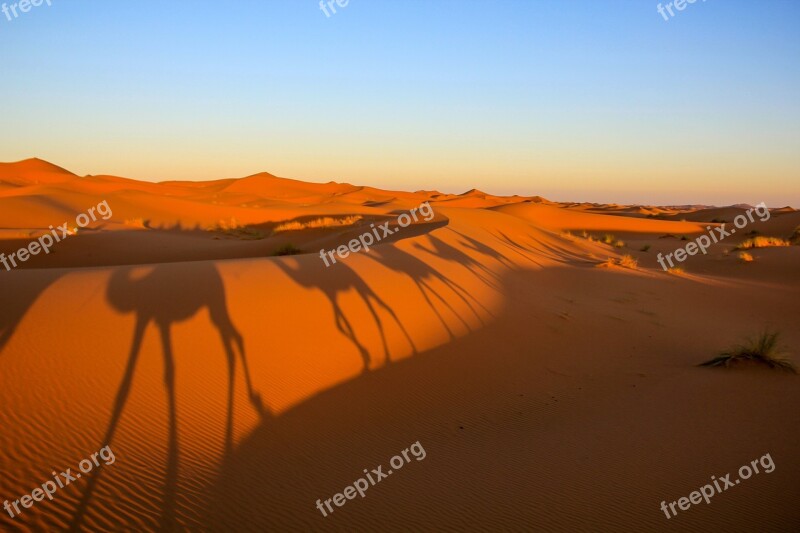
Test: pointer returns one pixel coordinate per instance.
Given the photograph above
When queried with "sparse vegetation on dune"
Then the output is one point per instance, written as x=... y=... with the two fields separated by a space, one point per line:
x=645 y=248
x=678 y=271
x=794 y=238
x=626 y=261
x=762 y=349
x=287 y=249
x=321 y=222
x=136 y=222
x=233 y=228
x=745 y=257
x=611 y=240
x=762 y=242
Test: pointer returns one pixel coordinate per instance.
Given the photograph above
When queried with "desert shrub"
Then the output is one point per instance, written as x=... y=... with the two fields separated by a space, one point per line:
x=794 y=238
x=321 y=222
x=608 y=239
x=287 y=249
x=626 y=262
x=762 y=349
x=762 y=242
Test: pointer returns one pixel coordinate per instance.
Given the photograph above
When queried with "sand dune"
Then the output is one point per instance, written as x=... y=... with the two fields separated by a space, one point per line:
x=236 y=388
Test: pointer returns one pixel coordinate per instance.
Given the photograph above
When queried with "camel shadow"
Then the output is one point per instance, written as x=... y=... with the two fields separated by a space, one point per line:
x=422 y=274
x=343 y=279
x=165 y=296
x=452 y=254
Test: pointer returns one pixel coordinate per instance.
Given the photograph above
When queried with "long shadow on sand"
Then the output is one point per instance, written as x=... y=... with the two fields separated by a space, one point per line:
x=341 y=279
x=165 y=296
x=422 y=274
x=273 y=479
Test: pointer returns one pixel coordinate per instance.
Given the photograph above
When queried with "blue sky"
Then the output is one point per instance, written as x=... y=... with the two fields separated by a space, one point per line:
x=573 y=100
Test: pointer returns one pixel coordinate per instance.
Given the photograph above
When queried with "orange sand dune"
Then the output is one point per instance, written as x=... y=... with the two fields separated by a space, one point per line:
x=237 y=388
x=556 y=218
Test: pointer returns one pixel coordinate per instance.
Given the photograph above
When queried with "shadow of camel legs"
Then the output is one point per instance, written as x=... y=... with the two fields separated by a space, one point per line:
x=421 y=274
x=166 y=295
x=342 y=278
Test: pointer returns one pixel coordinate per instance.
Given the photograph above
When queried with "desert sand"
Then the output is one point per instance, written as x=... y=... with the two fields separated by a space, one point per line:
x=237 y=387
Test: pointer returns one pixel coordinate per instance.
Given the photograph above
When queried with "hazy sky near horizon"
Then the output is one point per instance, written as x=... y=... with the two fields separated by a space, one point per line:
x=584 y=100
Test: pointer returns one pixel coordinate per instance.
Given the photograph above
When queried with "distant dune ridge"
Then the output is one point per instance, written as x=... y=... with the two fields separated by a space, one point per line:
x=236 y=387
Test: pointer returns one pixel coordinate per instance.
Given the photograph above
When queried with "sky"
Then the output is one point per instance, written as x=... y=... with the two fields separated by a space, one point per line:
x=591 y=100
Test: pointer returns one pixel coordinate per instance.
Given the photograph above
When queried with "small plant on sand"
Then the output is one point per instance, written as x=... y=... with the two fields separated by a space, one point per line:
x=745 y=257
x=795 y=236
x=762 y=242
x=136 y=222
x=321 y=222
x=608 y=263
x=287 y=249
x=684 y=238
x=678 y=271
x=763 y=349
x=645 y=248
x=628 y=262
x=608 y=239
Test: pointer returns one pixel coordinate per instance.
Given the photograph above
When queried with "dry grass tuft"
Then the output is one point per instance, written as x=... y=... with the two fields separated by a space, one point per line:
x=745 y=257
x=794 y=238
x=232 y=228
x=135 y=222
x=762 y=242
x=287 y=249
x=322 y=222
x=626 y=262
x=763 y=349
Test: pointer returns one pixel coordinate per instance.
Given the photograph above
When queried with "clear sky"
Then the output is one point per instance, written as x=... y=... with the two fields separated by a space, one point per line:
x=574 y=100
